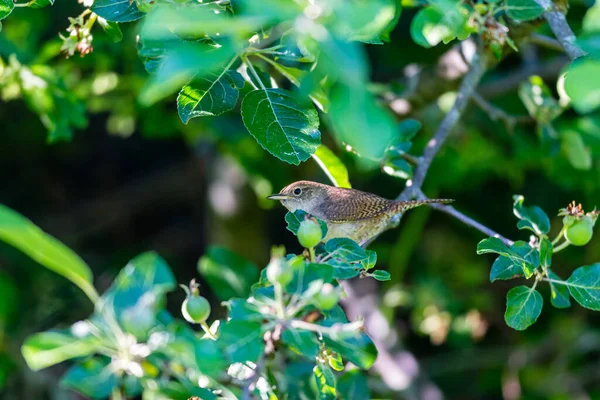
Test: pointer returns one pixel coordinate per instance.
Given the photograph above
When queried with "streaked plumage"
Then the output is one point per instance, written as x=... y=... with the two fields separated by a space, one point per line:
x=348 y=212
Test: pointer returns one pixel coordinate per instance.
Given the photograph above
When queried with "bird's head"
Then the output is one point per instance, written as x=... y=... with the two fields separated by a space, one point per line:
x=302 y=195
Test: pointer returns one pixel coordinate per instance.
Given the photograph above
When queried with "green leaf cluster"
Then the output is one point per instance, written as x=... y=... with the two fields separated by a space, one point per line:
x=532 y=260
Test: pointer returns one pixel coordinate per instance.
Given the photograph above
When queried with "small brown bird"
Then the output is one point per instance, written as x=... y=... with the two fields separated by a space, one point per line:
x=348 y=212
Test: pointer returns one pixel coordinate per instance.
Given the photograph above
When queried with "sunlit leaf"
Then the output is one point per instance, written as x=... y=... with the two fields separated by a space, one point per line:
x=355 y=117
x=325 y=382
x=212 y=94
x=21 y=233
x=117 y=10
x=334 y=168
x=48 y=348
x=582 y=84
x=281 y=125
x=6 y=7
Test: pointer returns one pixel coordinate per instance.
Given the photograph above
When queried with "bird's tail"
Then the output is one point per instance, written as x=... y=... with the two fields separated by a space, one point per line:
x=403 y=206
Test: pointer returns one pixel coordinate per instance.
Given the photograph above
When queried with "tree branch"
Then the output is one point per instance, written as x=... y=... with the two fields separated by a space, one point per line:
x=466 y=220
x=561 y=29
x=496 y=113
x=465 y=92
x=545 y=41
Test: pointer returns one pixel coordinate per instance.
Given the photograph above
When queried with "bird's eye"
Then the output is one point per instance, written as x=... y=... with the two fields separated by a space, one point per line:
x=297 y=191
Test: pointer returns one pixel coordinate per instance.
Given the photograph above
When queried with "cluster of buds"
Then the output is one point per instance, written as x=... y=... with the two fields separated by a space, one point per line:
x=80 y=38
x=577 y=225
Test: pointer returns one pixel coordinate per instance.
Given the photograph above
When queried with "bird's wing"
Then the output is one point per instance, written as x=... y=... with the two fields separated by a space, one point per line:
x=348 y=206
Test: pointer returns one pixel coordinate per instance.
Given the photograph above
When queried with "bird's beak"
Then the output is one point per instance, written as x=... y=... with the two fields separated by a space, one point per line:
x=278 y=197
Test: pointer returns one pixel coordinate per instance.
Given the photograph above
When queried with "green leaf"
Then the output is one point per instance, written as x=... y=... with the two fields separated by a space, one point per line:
x=39 y=3
x=173 y=390
x=241 y=309
x=228 y=274
x=504 y=269
x=306 y=273
x=582 y=84
x=178 y=62
x=334 y=168
x=559 y=293
x=335 y=361
x=345 y=270
x=281 y=125
x=532 y=217
x=296 y=76
x=441 y=21
x=370 y=261
x=545 y=252
x=48 y=348
x=381 y=275
x=112 y=29
x=584 y=286
x=325 y=382
x=6 y=7
x=409 y=128
x=363 y=21
x=93 y=378
x=523 y=307
x=353 y=385
x=301 y=342
x=495 y=245
x=399 y=168
x=294 y=219
x=354 y=111
x=21 y=233
x=117 y=10
x=137 y=294
x=209 y=95
x=591 y=20
x=538 y=100
x=523 y=10
x=358 y=349
x=242 y=341
x=345 y=249
x=578 y=154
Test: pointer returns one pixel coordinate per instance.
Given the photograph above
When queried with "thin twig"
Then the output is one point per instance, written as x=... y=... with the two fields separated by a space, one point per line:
x=561 y=29
x=467 y=220
x=496 y=113
x=546 y=41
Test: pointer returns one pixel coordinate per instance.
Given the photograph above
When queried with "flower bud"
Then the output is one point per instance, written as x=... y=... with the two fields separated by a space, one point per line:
x=327 y=298
x=279 y=271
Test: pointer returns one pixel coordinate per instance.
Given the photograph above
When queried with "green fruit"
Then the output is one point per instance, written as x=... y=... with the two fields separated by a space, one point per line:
x=580 y=232
x=309 y=233
x=327 y=298
x=145 y=6
x=195 y=309
x=279 y=271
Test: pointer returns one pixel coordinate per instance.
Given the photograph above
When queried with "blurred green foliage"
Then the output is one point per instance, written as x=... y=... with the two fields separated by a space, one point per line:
x=335 y=81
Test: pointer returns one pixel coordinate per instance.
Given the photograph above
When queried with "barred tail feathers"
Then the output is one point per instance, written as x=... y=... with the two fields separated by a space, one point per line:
x=403 y=206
